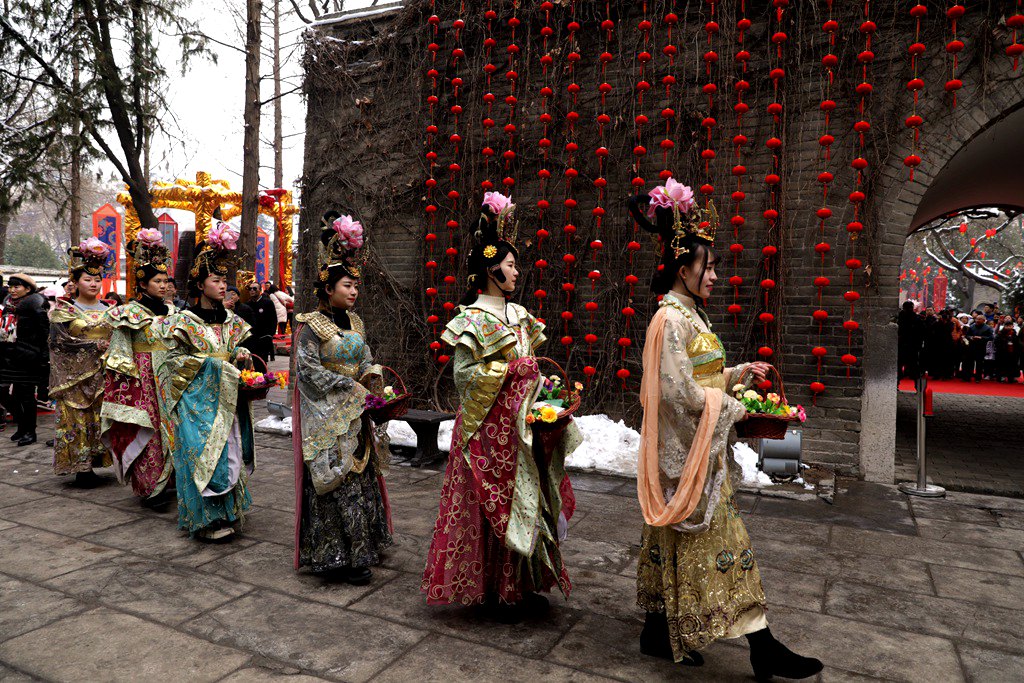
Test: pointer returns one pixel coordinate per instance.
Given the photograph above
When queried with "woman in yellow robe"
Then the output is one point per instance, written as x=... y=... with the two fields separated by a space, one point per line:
x=697 y=576
x=79 y=335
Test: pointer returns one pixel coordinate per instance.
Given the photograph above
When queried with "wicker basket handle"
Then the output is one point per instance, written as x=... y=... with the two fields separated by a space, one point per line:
x=399 y=377
x=252 y=360
x=559 y=367
x=778 y=376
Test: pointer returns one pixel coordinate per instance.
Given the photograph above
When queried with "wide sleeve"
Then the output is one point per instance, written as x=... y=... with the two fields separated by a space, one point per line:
x=370 y=374
x=477 y=381
x=317 y=381
x=734 y=376
x=683 y=399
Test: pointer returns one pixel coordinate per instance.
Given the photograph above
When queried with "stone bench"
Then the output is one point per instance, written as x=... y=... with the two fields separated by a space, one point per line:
x=426 y=424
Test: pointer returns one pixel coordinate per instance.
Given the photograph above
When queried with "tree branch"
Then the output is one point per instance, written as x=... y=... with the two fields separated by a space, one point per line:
x=289 y=92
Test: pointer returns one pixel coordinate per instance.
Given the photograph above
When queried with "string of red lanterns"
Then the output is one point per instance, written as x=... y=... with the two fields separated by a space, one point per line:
x=571 y=173
x=545 y=119
x=915 y=85
x=432 y=131
x=954 y=47
x=454 y=196
x=512 y=75
x=1015 y=23
x=739 y=171
x=709 y=88
x=860 y=165
x=643 y=58
x=828 y=62
x=668 y=80
x=488 y=98
x=601 y=183
x=774 y=177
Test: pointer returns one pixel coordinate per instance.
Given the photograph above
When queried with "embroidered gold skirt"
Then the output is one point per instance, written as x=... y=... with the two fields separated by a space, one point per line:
x=707 y=585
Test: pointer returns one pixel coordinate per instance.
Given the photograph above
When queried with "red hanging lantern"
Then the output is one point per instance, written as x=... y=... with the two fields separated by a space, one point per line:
x=1015 y=23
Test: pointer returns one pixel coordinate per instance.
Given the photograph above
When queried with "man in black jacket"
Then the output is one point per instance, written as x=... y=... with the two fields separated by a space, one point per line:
x=24 y=335
x=259 y=312
x=978 y=336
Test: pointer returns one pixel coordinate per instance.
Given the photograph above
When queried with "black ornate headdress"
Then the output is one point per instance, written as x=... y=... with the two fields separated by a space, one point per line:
x=495 y=233
x=678 y=219
x=340 y=242
x=149 y=253
x=215 y=255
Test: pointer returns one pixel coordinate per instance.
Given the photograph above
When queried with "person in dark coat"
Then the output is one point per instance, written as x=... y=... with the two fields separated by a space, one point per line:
x=978 y=335
x=24 y=335
x=261 y=315
x=908 y=349
x=940 y=347
x=1007 y=354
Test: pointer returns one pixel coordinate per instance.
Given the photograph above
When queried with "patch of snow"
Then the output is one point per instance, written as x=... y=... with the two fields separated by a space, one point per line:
x=401 y=434
x=746 y=458
x=608 y=447
x=275 y=425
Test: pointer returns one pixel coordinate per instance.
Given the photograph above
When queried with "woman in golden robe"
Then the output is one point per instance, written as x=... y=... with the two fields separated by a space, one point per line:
x=79 y=335
x=697 y=576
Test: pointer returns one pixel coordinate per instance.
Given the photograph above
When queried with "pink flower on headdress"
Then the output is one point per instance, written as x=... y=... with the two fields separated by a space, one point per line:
x=94 y=247
x=150 y=237
x=350 y=232
x=498 y=203
x=223 y=236
x=671 y=194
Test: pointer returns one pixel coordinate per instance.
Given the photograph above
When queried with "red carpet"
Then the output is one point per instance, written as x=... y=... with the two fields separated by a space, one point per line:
x=956 y=386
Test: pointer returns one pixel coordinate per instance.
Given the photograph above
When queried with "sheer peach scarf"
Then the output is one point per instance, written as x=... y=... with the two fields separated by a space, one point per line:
x=691 y=482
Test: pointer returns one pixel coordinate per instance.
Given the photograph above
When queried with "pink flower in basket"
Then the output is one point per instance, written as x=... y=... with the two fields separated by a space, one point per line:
x=94 y=247
x=150 y=237
x=498 y=203
x=671 y=195
x=224 y=236
x=350 y=232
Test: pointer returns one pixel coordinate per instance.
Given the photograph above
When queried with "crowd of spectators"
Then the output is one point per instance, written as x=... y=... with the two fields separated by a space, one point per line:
x=982 y=344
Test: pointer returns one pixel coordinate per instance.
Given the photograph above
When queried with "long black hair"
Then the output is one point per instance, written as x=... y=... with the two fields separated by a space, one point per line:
x=693 y=249
x=479 y=265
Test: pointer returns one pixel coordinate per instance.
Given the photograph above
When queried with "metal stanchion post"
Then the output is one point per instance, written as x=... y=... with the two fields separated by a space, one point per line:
x=922 y=487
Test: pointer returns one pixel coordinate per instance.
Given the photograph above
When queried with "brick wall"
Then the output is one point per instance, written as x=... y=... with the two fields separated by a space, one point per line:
x=365 y=153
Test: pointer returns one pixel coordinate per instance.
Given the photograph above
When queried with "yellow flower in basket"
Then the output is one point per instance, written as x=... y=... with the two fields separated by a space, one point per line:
x=548 y=414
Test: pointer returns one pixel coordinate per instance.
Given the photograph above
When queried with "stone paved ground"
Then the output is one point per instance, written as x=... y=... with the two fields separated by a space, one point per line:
x=95 y=588
x=975 y=443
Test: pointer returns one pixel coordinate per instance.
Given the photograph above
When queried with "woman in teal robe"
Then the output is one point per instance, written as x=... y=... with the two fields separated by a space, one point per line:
x=212 y=422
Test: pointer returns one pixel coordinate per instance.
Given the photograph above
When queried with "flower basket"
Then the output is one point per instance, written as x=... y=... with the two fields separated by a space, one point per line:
x=393 y=409
x=565 y=414
x=258 y=389
x=767 y=425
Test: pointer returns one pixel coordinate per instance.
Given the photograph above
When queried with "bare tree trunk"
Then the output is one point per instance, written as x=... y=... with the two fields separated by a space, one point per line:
x=6 y=214
x=76 y=157
x=251 y=140
x=278 y=132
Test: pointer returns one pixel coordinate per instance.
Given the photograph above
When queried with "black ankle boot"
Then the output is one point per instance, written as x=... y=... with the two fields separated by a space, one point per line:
x=769 y=657
x=654 y=641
